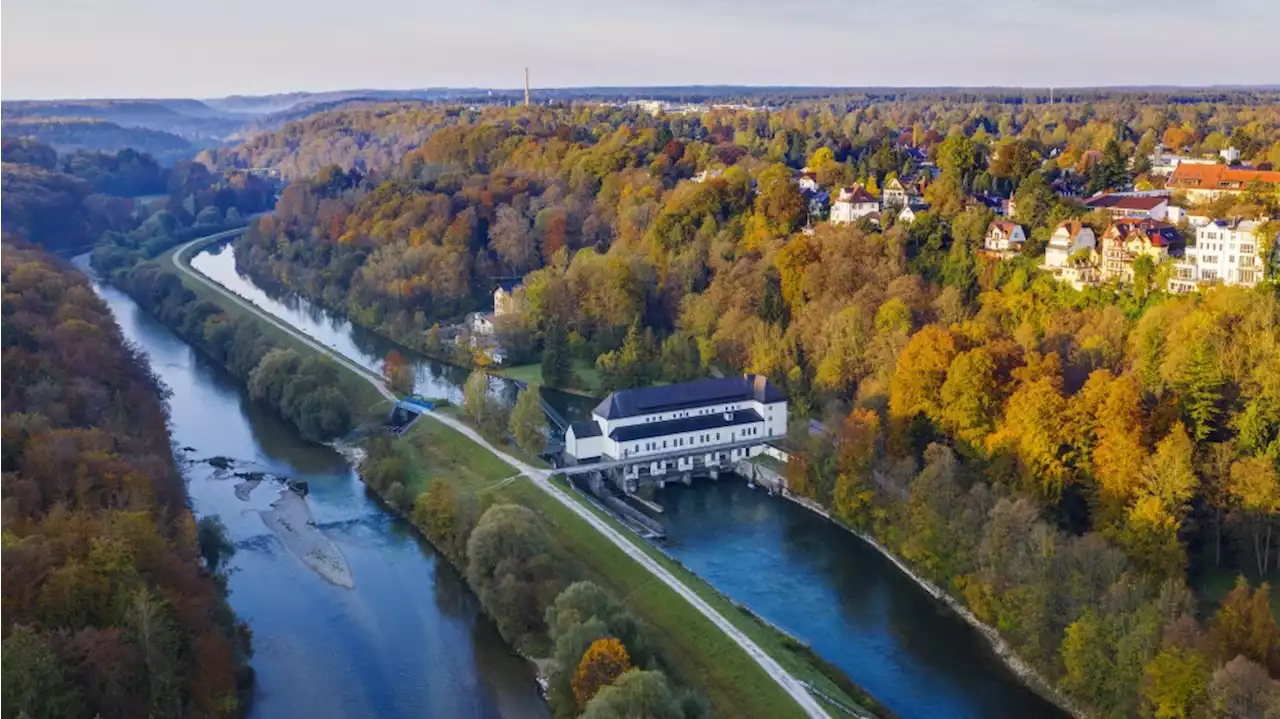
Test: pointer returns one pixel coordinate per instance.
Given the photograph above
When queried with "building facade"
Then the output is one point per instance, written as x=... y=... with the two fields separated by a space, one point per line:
x=852 y=204
x=506 y=298
x=1004 y=238
x=1127 y=240
x=1206 y=183
x=1067 y=239
x=1226 y=252
x=715 y=415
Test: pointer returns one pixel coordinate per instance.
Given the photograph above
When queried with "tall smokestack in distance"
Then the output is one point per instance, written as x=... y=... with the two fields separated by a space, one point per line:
x=526 y=86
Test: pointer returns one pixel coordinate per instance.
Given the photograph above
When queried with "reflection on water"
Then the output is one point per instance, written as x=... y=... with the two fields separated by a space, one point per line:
x=366 y=348
x=848 y=602
x=409 y=640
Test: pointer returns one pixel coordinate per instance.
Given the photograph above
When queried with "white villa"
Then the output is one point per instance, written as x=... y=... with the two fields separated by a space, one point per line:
x=852 y=204
x=710 y=414
x=1225 y=252
x=506 y=298
x=1004 y=238
x=1069 y=238
x=1072 y=255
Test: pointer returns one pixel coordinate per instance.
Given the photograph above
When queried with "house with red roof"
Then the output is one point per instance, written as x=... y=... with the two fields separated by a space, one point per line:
x=1123 y=206
x=1127 y=240
x=1004 y=238
x=1206 y=183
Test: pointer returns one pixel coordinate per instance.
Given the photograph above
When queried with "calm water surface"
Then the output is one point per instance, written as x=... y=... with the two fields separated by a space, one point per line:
x=792 y=567
x=409 y=640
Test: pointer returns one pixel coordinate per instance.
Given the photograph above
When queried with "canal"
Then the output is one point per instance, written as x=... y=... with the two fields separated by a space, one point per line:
x=408 y=640
x=794 y=568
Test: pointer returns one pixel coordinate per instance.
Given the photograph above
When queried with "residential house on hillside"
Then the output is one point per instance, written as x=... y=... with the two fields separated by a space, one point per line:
x=852 y=204
x=1004 y=239
x=807 y=181
x=1072 y=255
x=1226 y=251
x=1127 y=240
x=900 y=193
x=507 y=297
x=1206 y=183
x=1121 y=206
x=1067 y=239
x=910 y=211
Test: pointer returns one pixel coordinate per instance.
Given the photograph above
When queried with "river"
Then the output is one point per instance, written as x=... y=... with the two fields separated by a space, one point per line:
x=409 y=640
x=792 y=567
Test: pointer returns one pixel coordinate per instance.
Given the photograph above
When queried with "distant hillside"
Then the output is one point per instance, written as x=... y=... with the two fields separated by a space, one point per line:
x=71 y=134
x=364 y=136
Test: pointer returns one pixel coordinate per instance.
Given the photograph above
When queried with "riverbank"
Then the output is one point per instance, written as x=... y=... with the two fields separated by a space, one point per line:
x=741 y=678
x=1024 y=671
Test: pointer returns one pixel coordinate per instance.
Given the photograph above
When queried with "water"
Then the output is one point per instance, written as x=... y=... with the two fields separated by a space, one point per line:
x=410 y=640
x=846 y=600
x=364 y=347
x=795 y=569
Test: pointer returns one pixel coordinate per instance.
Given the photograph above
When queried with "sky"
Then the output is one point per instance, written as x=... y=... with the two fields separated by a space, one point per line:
x=212 y=48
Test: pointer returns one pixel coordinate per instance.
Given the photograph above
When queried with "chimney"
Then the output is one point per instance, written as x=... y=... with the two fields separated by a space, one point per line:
x=526 y=86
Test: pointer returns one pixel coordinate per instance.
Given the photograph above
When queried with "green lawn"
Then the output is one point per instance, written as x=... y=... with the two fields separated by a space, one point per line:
x=585 y=375
x=1214 y=585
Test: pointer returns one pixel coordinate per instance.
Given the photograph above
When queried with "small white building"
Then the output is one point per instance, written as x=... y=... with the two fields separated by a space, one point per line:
x=807 y=181
x=706 y=414
x=1226 y=252
x=1004 y=238
x=707 y=175
x=1069 y=238
x=852 y=204
x=911 y=211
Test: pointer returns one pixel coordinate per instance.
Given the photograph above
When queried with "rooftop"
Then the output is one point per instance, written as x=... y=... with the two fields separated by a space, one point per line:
x=1124 y=202
x=586 y=428
x=684 y=425
x=684 y=395
x=1217 y=177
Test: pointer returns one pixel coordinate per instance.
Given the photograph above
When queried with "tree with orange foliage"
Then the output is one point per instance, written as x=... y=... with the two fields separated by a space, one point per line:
x=603 y=662
x=398 y=373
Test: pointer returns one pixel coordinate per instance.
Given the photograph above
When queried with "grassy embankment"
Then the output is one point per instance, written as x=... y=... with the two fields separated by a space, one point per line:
x=364 y=397
x=735 y=685
x=702 y=654
x=585 y=376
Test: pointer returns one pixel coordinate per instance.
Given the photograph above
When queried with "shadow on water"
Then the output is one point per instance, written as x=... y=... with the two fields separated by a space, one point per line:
x=409 y=640
x=841 y=596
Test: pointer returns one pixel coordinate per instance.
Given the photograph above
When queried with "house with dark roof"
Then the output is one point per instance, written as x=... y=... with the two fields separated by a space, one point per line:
x=851 y=204
x=1127 y=240
x=708 y=416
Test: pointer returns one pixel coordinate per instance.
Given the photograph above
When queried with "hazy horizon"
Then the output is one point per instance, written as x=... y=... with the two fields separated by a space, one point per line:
x=71 y=49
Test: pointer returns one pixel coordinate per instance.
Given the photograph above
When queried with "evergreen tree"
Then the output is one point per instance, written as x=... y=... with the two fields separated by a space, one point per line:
x=557 y=367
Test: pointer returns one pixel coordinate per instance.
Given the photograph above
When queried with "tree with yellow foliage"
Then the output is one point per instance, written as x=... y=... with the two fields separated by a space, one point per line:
x=603 y=662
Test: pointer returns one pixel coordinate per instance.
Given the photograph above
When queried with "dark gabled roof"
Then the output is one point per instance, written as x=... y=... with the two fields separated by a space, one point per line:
x=586 y=428
x=683 y=395
x=509 y=284
x=1125 y=202
x=700 y=423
